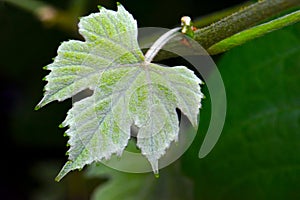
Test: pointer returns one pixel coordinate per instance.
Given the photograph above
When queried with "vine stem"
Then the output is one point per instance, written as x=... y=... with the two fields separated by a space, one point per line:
x=216 y=16
x=159 y=43
x=242 y=20
x=255 y=32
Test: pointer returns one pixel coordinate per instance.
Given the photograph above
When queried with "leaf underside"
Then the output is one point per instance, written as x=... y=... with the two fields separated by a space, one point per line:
x=127 y=90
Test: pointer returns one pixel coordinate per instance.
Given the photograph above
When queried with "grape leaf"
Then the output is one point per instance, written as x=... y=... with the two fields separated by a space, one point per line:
x=127 y=90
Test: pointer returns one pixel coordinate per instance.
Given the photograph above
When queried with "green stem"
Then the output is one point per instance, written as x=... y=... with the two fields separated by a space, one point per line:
x=257 y=31
x=242 y=20
x=207 y=36
x=213 y=17
x=159 y=43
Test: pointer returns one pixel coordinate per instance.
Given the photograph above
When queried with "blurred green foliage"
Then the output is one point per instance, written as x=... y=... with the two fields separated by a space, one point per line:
x=171 y=184
x=257 y=156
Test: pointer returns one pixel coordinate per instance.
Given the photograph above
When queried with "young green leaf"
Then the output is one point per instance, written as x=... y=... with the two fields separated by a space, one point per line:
x=127 y=90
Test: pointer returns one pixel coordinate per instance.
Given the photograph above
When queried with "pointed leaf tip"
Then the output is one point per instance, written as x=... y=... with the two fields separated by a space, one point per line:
x=64 y=171
x=37 y=107
x=119 y=4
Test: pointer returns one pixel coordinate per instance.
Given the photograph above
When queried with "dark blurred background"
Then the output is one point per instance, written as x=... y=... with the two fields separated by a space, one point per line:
x=32 y=147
